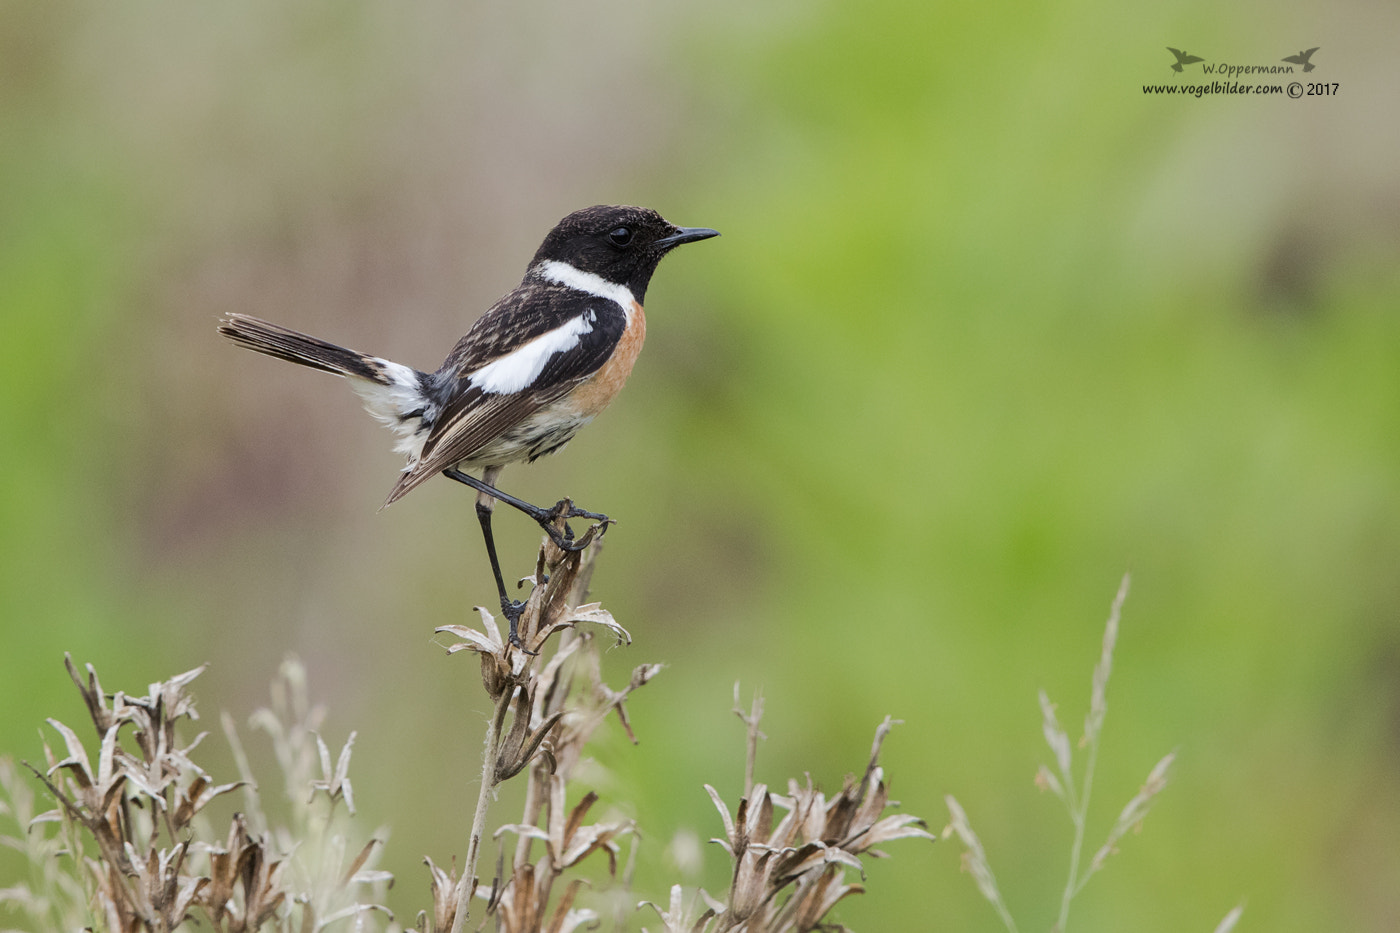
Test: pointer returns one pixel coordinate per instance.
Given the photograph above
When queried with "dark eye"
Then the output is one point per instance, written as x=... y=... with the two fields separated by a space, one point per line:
x=620 y=236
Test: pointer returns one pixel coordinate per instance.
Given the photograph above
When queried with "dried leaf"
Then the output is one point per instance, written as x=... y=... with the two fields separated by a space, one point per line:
x=729 y=835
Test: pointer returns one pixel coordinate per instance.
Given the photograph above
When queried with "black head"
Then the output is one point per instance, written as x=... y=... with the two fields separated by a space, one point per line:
x=619 y=244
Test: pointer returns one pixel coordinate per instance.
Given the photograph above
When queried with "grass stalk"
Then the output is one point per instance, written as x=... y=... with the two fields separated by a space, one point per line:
x=466 y=886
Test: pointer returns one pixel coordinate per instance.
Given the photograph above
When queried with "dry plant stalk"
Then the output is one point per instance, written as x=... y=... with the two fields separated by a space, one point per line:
x=545 y=738
x=147 y=858
x=132 y=819
x=787 y=878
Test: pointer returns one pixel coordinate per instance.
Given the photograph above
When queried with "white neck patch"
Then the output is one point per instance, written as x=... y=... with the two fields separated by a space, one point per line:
x=561 y=273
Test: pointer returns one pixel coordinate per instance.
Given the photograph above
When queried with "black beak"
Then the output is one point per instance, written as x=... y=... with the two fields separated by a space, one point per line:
x=685 y=235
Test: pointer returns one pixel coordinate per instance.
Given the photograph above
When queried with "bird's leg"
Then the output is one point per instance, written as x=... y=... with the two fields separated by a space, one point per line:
x=511 y=608
x=545 y=518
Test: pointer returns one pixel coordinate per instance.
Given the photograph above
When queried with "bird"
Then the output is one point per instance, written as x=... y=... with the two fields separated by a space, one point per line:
x=1302 y=59
x=538 y=365
x=1182 y=58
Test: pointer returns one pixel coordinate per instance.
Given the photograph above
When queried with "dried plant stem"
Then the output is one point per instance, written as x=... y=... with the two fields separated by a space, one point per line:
x=530 y=812
x=466 y=886
x=751 y=719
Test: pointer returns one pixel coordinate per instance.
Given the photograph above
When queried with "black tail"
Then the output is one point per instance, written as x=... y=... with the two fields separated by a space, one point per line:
x=287 y=344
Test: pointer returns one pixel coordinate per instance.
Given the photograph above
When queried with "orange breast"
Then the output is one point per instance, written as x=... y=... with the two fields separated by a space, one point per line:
x=594 y=394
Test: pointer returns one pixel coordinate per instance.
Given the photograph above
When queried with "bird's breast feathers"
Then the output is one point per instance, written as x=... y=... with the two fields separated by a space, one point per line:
x=594 y=393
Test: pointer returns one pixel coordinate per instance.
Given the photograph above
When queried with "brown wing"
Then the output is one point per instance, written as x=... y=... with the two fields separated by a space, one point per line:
x=473 y=421
x=471 y=418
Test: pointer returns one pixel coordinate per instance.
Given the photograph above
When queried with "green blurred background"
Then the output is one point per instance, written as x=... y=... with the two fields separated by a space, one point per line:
x=987 y=328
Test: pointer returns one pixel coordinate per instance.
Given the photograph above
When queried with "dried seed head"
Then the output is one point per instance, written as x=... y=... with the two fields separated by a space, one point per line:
x=443 y=885
x=501 y=667
x=787 y=877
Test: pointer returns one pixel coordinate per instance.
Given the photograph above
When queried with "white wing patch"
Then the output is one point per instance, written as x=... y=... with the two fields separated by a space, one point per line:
x=561 y=273
x=519 y=368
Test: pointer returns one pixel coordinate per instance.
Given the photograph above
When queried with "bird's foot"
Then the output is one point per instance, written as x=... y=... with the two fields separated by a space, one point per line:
x=551 y=520
x=512 y=609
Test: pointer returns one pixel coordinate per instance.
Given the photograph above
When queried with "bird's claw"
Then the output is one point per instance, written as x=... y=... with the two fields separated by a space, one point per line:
x=513 y=609
x=566 y=509
x=564 y=540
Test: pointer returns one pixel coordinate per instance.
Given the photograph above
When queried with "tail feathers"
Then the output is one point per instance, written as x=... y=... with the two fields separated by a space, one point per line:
x=293 y=346
x=391 y=392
